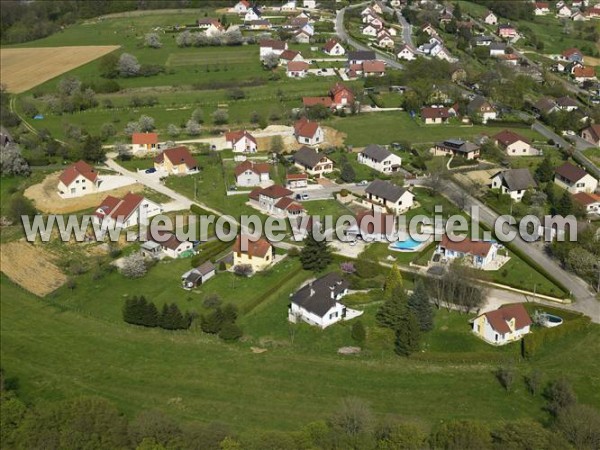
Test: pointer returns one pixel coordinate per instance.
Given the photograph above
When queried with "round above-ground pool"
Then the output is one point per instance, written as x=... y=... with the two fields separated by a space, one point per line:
x=407 y=245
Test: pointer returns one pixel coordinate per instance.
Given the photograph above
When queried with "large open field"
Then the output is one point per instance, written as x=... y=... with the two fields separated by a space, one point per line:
x=24 y=68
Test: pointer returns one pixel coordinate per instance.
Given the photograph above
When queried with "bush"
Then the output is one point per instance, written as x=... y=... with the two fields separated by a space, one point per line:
x=366 y=268
x=134 y=266
x=230 y=332
x=532 y=342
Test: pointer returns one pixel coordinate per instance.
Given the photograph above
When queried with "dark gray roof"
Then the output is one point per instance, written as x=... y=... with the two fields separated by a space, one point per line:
x=376 y=152
x=318 y=297
x=483 y=38
x=385 y=190
x=477 y=103
x=545 y=104
x=458 y=145
x=307 y=156
x=362 y=55
x=497 y=46
x=566 y=101
x=206 y=268
x=517 y=179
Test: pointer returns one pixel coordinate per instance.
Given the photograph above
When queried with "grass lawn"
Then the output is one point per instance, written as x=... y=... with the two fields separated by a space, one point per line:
x=387 y=127
x=56 y=352
x=593 y=154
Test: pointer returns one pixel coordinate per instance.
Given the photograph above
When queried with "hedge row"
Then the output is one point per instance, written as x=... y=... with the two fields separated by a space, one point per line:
x=209 y=251
x=533 y=342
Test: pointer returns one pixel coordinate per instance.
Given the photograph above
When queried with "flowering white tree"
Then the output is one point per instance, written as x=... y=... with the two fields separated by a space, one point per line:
x=12 y=162
x=146 y=123
x=134 y=266
x=128 y=65
x=152 y=40
x=192 y=128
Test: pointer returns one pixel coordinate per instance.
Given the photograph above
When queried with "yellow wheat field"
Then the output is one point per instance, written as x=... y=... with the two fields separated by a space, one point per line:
x=24 y=68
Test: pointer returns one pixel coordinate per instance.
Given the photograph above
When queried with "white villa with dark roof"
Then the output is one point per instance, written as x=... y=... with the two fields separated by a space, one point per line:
x=456 y=147
x=380 y=159
x=318 y=302
x=312 y=162
x=388 y=196
x=513 y=182
x=574 y=179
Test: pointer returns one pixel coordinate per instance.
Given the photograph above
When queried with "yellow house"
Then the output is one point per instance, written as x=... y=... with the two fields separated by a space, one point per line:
x=176 y=161
x=506 y=324
x=257 y=254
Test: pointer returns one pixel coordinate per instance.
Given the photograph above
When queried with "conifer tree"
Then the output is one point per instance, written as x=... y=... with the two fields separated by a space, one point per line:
x=315 y=255
x=212 y=322
x=408 y=334
x=545 y=171
x=390 y=313
x=393 y=281
x=419 y=303
x=358 y=333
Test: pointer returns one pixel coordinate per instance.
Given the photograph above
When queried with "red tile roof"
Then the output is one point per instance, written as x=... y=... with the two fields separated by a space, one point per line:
x=297 y=66
x=257 y=168
x=177 y=155
x=585 y=199
x=284 y=202
x=235 y=136
x=254 y=193
x=312 y=101
x=507 y=137
x=434 y=113
x=258 y=248
x=274 y=44
x=306 y=128
x=330 y=44
x=594 y=130
x=499 y=318
x=584 y=72
x=467 y=246
x=296 y=176
x=79 y=168
x=276 y=191
x=119 y=209
x=144 y=138
x=375 y=66
x=288 y=55
x=571 y=51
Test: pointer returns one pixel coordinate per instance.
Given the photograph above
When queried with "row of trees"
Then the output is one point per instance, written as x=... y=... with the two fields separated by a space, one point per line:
x=93 y=422
x=139 y=311
x=231 y=37
x=408 y=316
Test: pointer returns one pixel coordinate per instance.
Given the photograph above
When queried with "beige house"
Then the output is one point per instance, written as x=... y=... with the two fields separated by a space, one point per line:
x=514 y=144
x=258 y=254
x=574 y=179
x=78 y=179
x=312 y=162
x=176 y=161
x=388 y=196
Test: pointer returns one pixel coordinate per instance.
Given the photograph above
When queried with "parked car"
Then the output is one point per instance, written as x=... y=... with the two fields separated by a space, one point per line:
x=150 y=170
x=362 y=183
x=302 y=196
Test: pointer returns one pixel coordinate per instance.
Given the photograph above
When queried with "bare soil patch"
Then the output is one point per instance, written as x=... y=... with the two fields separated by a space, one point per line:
x=46 y=199
x=477 y=177
x=24 y=68
x=333 y=138
x=31 y=267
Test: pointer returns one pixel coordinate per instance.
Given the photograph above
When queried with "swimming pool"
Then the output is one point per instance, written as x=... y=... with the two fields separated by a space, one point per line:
x=407 y=245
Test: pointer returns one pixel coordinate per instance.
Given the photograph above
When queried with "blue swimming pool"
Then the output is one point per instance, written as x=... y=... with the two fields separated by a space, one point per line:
x=408 y=244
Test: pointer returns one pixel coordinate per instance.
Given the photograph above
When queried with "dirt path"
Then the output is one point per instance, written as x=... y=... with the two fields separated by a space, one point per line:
x=46 y=199
x=31 y=267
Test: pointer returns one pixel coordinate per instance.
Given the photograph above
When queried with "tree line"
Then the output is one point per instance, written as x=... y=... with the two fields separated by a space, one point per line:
x=141 y=312
x=95 y=423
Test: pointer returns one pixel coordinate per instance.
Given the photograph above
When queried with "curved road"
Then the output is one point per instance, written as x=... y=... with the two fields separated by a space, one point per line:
x=406 y=28
x=586 y=300
x=344 y=36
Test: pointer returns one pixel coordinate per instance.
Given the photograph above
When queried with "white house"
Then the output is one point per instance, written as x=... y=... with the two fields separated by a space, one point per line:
x=297 y=69
x=241 y=141
x=513 y=182
x=482 y=108
x=384 y=40
x=514 y=144
x=490 y=18
x=289 y=5
x=591 y=202
x=241 y=7
x=387 y=196
x=407 y=53
x=309 y=4
x=252 y=14
x=170 y=245
x=198 y=276
x=78 y=179
x=541 y=8
x=296 y=180
x=308 y=132
x=370 y=30
x=477 y=253
x=144 y=142
x=249 y=173
x=312 y=162
x=268 y=46
x=333 y=48
x=276 y=200
x=574 y=179
x=318 y=302
x=506 y=324
x=114 y=212
x=564 y=11
x=380 y=159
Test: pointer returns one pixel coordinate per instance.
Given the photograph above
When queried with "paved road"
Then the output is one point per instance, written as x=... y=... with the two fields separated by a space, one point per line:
x=406 y=28
x=586 y=301
x=344 y=36
x=580 y=144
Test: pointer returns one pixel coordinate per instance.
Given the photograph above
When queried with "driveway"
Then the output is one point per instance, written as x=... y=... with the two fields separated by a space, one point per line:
x=586 y=301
